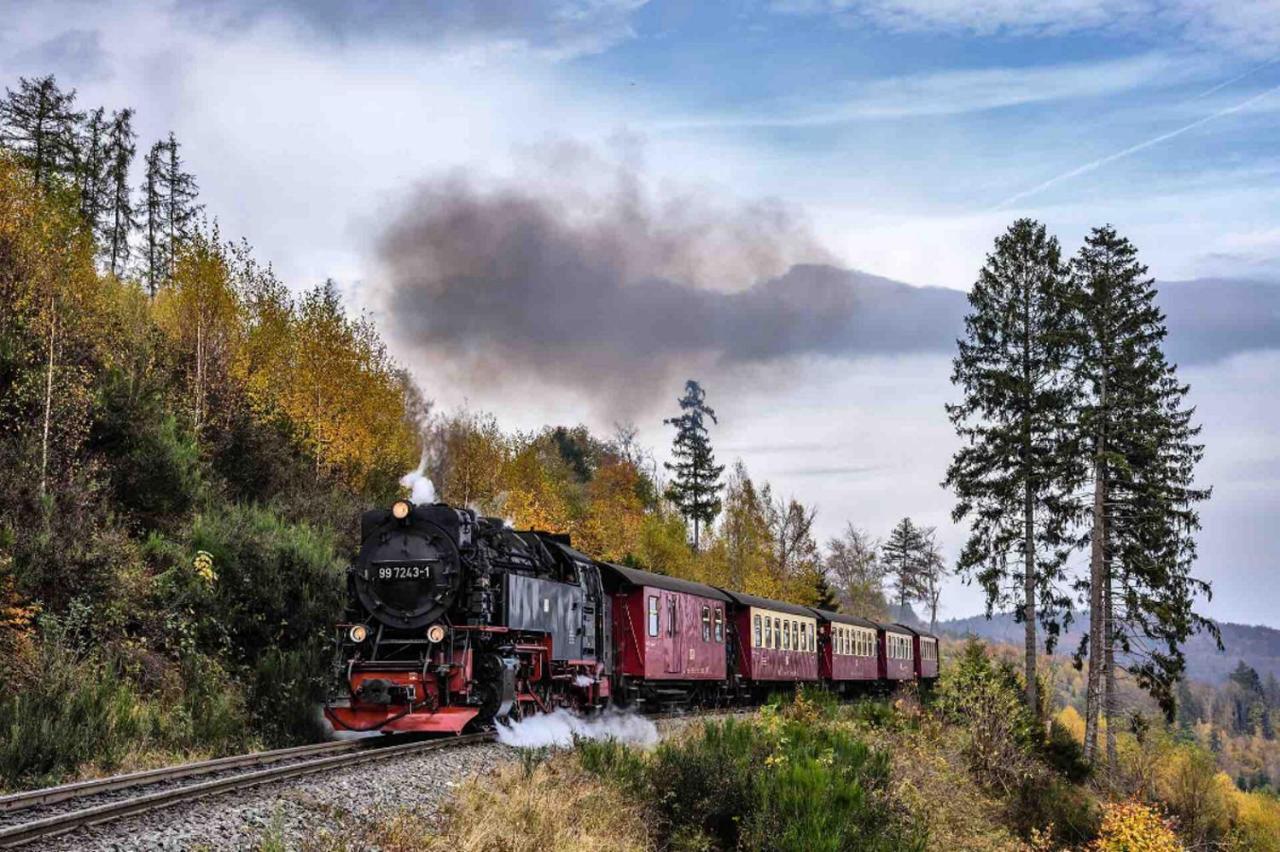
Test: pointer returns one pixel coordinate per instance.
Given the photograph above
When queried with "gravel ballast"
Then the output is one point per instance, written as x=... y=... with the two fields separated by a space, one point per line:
x=305 y=806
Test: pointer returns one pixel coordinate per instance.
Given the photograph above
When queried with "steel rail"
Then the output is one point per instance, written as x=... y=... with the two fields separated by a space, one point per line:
x=58 y=824
x=97 y=786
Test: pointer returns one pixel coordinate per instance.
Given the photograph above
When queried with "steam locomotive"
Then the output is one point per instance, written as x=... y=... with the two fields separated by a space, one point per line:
x=455 y=620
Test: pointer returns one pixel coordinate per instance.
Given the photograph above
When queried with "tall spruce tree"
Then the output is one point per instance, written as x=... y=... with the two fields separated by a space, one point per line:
x=91 y=168
x=1137 y=433
x=155 y=244
x=695 y=490
x=1015 y=474
x=119 y=219
x=904 y=555
x=180 y=191
x=39 y=122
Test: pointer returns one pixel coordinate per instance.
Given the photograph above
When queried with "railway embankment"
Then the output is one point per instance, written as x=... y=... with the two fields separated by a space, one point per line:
x=963 y=768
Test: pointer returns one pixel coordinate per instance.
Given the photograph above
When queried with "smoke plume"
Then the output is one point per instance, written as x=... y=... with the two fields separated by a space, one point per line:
x=583 y=274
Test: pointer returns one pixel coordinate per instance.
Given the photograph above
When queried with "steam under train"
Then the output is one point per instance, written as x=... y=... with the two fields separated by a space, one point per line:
x=455 y=621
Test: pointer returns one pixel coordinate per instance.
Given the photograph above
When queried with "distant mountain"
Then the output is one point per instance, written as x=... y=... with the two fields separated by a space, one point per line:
x=1208 y=318
x=1258 y=646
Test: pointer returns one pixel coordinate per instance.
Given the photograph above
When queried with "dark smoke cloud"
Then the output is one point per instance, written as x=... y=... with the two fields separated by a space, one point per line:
x=617 y=289
x=607 y=286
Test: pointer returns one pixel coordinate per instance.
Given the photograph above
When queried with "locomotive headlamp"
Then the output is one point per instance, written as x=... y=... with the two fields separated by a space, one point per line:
x=400 y=509
x=358 y=633
x=435 y=633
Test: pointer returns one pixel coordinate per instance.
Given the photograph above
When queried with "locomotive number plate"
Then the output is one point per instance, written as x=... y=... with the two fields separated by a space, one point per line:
x=410 y=571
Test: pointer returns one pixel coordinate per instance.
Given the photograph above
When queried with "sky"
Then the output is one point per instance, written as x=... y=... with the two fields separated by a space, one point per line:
x=622 y=165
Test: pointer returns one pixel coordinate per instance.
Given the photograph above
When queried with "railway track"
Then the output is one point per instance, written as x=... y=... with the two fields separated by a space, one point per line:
x=33 y=816
x=46 y=814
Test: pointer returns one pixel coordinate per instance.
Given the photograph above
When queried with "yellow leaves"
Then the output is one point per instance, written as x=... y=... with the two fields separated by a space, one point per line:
x=1071 y=720
x=203 y=565
x=475 y=453
x=614 y=522
x=1135 y=827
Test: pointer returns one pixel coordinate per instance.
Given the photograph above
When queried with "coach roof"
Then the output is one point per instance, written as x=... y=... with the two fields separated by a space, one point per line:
x=636 y=577
x=764 y=603
x=842 y=618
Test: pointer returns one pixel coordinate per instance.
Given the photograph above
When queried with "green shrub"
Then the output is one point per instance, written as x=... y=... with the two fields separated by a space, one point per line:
x=788 y=782
x=985 y=700
x=74 y=711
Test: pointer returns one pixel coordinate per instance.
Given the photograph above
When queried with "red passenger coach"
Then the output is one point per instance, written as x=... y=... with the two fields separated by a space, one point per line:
x=897 y=653
x=776 y=641
x=848 y=648
x=669 y=634
x=924 y=648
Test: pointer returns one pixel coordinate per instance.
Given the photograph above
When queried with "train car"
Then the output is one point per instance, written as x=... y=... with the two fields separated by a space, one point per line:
x=848 y=650
x=924 y=647
x=896 y=653
x=669 y=636
x=773 y=641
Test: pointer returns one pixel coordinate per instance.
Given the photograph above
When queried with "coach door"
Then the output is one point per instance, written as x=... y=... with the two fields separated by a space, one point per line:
x=675 y=645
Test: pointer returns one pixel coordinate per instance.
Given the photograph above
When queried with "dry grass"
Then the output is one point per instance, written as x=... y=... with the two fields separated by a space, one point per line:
x=523 y=807
x=931 y=780
x=554 y=805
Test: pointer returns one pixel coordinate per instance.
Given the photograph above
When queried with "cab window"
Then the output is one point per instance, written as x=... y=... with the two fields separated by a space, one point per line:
x=653 y=615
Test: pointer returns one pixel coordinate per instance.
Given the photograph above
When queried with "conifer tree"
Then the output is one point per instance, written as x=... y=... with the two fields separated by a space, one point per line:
x=39 y=122
x=904 y=557
x=92 y=168
x=156 y=264
x=695 y=490
x=1137 y=433
x=1016 y=472
x=119 y=219
x=180 y=190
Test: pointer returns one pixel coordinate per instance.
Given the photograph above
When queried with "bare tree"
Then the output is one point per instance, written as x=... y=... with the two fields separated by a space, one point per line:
x=854 y=567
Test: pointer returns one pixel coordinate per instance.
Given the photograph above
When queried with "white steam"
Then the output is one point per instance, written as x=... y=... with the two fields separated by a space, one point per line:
x=422 y=488
x=561 y=727
x=582 y=680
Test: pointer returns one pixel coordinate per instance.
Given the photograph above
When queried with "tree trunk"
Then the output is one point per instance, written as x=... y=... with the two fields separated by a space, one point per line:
x=1099 y=614
x=1029 y=603
x=696 y=542
x=48 y=402
x=1109 y=681
x=1097 y=611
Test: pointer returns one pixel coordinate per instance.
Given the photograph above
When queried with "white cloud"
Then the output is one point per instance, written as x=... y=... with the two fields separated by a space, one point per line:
x=957 y=92
x=1247 y=26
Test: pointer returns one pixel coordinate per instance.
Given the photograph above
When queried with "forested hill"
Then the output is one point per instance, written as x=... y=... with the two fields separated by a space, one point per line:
x=1257 y=646
x=1208 y=318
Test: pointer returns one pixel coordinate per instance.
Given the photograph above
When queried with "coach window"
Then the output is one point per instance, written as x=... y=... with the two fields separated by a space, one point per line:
x=755 y=628
x=653 y=615
x=706 y=623
x=768 y=632
x=719 y=624
x=804 y=636
x=671 y=616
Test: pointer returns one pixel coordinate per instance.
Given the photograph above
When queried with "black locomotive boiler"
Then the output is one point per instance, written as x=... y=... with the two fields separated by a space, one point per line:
x=456 y=619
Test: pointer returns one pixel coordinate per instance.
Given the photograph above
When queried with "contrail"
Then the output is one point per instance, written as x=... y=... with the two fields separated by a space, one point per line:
x=1141 y=146
x=1218 y=88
